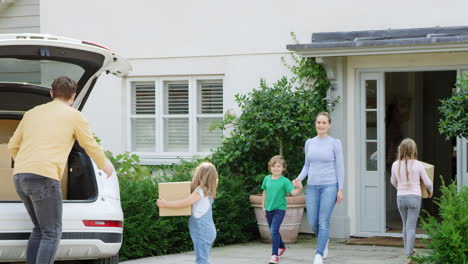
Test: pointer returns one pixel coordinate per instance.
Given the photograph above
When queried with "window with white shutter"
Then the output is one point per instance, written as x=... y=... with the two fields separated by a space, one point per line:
x=210 y=114
x=143 y=117
x=176 y=116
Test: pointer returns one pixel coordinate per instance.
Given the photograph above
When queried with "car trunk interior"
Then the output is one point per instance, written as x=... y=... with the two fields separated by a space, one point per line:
x=78 y=182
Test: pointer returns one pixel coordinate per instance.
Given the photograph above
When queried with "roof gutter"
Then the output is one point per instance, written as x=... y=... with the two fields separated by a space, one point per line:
x=307 y=50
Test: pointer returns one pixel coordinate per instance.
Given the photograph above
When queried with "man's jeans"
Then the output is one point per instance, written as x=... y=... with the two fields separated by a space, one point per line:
x=274 y=219
x=42 y=198
x=320 y=201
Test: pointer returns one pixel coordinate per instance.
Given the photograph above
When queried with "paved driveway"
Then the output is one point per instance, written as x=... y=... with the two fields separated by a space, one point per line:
x=302 y=252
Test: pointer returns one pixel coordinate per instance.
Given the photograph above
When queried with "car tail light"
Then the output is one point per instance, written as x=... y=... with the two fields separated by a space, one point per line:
x=103 y=223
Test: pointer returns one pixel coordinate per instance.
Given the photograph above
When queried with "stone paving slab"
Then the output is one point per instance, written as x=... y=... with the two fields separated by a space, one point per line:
x=302 y=252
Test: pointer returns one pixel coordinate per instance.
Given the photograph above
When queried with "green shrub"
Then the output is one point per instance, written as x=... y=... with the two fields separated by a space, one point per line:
x=145 y=233
x=448 y=233
x=275 y=119
x=454 y=112
x=233 y=216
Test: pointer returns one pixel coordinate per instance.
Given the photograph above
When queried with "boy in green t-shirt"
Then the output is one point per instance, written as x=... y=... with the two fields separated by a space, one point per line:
x=275 y=188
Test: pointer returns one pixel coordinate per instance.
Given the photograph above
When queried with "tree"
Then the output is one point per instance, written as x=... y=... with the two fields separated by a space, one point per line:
x=454 y=112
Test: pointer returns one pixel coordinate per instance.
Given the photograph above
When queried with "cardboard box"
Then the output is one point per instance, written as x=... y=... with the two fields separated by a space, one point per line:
x=172 y=191
x=7 y=187
x=5 y=157
x=430 y=172
x=7 y=128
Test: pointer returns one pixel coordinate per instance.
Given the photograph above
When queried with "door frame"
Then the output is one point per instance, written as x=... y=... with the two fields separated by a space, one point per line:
x=462 y=145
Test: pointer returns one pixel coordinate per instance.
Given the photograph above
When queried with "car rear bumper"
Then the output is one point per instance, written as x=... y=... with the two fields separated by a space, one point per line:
x=79 y=245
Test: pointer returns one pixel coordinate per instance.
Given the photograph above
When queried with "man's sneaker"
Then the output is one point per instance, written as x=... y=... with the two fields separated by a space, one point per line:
x=325 y=252
x=281 y=251
x=274 y=259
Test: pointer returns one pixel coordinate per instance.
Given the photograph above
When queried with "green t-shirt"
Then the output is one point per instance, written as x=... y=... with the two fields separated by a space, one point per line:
x=276 y=191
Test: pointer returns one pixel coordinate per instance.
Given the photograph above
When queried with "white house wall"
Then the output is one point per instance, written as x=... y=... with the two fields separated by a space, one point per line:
x=19 y=16
x=240 y=40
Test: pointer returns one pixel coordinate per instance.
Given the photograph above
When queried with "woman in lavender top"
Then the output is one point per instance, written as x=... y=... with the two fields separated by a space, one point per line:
x=324 y=167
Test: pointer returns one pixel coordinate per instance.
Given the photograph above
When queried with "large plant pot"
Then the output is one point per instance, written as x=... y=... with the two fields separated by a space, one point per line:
x=292 y=220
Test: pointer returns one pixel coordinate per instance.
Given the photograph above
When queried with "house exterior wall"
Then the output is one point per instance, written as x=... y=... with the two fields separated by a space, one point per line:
x=20 y=16
x=243 y=41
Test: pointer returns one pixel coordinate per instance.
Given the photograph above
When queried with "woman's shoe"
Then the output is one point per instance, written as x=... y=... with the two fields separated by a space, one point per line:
x=318 y=259
x=325 y=252
x=409 y=261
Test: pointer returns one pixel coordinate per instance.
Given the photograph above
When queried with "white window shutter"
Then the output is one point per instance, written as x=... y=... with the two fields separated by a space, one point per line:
x=143 y=135
x=176 y=134
x=143 y=129
x=209 y=136
x=144 y=99
x=210 y=97
x=210 y=102
x=177 y=98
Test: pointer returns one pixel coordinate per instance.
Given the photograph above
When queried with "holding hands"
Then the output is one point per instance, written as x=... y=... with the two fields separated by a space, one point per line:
x=297 y=183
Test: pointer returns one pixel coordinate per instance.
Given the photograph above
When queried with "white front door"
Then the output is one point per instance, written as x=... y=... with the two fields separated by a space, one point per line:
x=372 y=153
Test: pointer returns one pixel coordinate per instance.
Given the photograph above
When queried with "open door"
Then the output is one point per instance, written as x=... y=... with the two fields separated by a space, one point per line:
x=462 y=150
x=372 y=152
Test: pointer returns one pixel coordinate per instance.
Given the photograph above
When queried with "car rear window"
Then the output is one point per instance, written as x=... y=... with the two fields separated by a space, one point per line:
x=37 y=72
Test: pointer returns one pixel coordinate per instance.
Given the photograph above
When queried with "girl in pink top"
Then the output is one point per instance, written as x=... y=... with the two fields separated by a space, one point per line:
x=407 y=172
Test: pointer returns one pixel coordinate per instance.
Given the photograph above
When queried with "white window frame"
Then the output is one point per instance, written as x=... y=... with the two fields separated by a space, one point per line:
x=159 y=156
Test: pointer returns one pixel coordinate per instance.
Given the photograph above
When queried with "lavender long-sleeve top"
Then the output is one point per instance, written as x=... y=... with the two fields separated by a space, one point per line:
x=324 y=162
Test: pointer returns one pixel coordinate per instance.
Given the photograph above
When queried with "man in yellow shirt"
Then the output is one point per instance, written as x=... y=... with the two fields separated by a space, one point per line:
x=40 y=147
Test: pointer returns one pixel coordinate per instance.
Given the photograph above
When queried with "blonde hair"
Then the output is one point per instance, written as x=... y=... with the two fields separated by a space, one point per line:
x=277 y=159
x=205 y=177
x=325 y=114
x=407 y=150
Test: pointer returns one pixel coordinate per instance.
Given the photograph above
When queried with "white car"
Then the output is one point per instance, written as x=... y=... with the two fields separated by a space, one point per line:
x=92 y=214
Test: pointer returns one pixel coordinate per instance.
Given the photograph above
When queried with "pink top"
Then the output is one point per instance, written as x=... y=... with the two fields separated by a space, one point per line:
x=416 y=172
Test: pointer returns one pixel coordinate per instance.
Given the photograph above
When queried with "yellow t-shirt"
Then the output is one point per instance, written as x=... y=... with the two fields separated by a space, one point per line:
x=44 y=137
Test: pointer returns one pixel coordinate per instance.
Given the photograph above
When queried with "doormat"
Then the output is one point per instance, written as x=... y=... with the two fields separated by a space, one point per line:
x=383 y=241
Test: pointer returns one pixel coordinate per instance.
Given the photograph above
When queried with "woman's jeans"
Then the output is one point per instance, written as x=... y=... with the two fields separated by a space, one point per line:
x=409 y=207
x=320 y=201
x=274 y=219
x=42 y=198
x=203 y=234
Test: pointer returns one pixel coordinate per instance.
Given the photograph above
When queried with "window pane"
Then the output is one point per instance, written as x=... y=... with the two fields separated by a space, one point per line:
x=176 y=135
x=41 y=72
x=371 y=94
x=143 y=99
x=143 y=135
x=371 y=156
x=371 y=125
x=209 y=135
x=177 y=98
x=210 y=96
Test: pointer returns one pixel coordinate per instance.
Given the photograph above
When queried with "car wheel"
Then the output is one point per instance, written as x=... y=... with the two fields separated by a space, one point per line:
x=110 y=260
